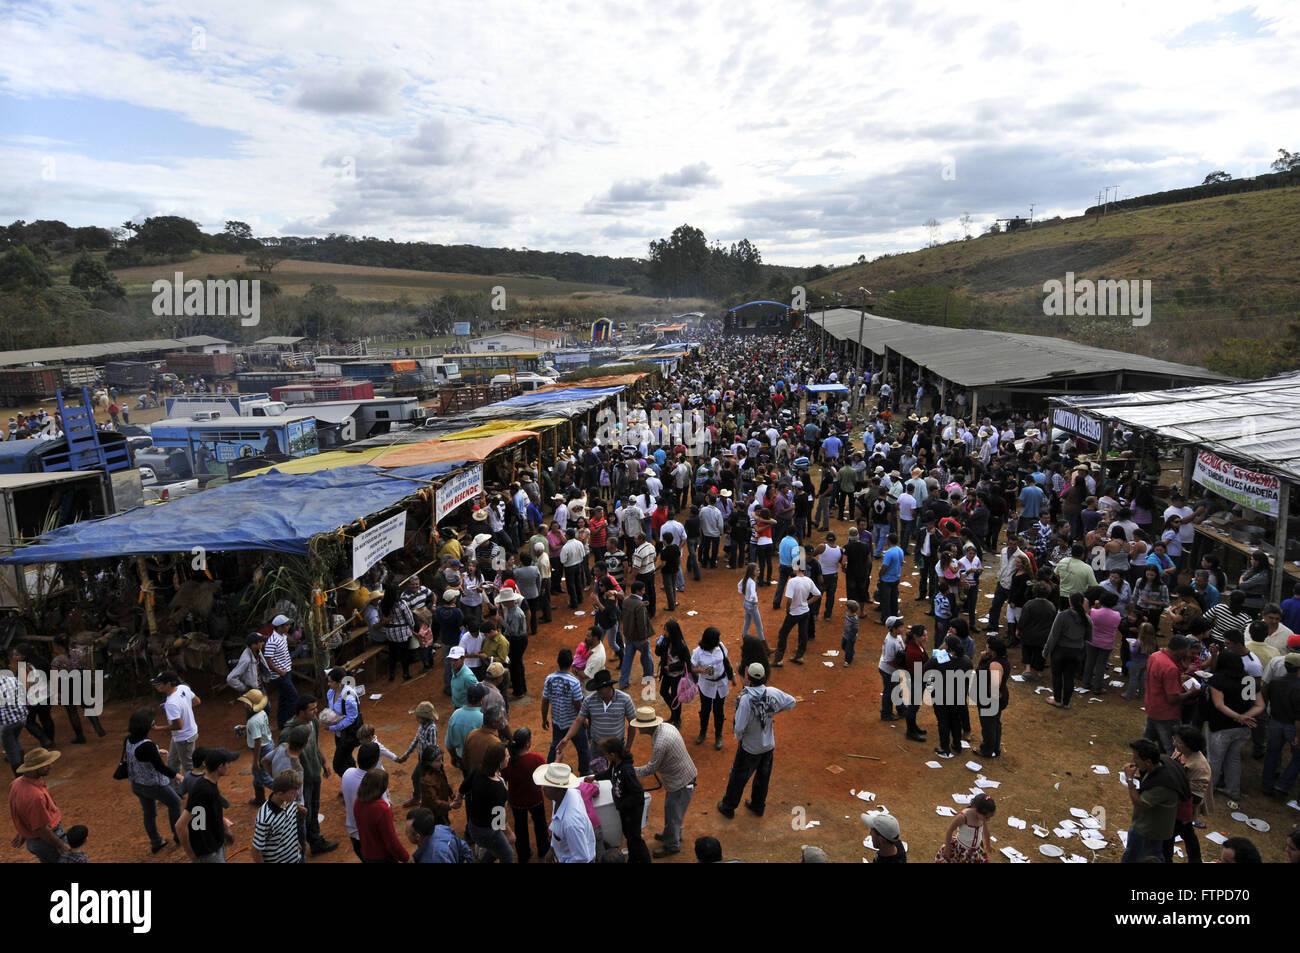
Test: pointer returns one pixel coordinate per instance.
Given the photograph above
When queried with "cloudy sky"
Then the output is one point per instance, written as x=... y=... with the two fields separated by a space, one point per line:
x=819 y=131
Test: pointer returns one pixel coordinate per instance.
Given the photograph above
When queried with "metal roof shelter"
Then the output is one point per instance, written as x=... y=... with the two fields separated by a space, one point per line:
x=1255 y=425
x=279 y=340
x=82 y=353
x=1001 y=360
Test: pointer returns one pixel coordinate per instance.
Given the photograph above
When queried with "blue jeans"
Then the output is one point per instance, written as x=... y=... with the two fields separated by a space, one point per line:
x=311 y=798
x=888 y=599
x=676 y=804
x=751 y=615
x=491 y=840
x=1278 y=735
x=151 y=795
x=580 y=745
x=905 y=528
x=880 y=531
x=13 y=750
x=782 y=579
x=287 y=701
x=887 y=693
x=1139 y=848
x=630 y=652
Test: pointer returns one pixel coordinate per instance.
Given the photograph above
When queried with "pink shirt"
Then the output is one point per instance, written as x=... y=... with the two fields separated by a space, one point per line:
x=1105 y=623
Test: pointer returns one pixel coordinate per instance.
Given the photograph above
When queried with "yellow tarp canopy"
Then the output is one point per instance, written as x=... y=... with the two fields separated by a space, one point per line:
x=441 y=451
x=504 y=426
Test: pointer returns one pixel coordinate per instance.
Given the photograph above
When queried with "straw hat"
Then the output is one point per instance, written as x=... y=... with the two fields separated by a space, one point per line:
x=1033 y=432
x=724 y=493
x=424 y=710
x=557 y=774
x=351 y=585
x=645 y=718
x=479 y=514
x=496 y=670
x=254 y=699
x=38 y=758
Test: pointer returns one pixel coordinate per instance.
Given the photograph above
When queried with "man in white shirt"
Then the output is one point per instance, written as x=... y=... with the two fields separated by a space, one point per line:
x=1186 y=529
x=572 y=554
x=573 y=840
x=178 y=708
x=800 y=595
x=906 y=516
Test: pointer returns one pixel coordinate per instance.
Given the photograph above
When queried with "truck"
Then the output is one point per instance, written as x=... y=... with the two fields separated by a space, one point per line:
x=369 y=417
x=227 y=405
x=129 y=374
x=20 y=384
x=382 y=370
x=186 y=364
x=35 y=503
x=326 y=388
x=266 y=380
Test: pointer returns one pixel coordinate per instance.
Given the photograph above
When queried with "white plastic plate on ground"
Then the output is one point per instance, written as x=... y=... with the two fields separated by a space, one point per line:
x=1050 y=850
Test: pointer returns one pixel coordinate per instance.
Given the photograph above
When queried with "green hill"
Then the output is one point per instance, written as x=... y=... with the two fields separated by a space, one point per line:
x=1224 y=279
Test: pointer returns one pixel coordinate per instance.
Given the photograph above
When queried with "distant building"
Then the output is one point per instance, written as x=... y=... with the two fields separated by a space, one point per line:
x=543 y=339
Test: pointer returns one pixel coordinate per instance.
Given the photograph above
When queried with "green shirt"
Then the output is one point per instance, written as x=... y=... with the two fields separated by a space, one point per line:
x=1075 y=575
x=848 y=478
x=1154 y=815
x=310 y=758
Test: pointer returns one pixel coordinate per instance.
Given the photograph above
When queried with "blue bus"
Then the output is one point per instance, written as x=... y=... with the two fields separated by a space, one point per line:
x=227 y=446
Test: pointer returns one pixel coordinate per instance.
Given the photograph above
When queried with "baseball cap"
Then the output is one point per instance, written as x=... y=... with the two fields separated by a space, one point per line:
x=279 y=620
x=166 y=677
x=1292 y=660
x=1293 y=642
x=814 y=855
x=756 y=670
x=886 y=825
x=455 y=652
x=216 y=757
x=893 y=620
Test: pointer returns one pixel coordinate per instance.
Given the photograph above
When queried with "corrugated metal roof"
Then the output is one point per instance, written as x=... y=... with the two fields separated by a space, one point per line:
x=279 y=340
x=1253 y=421
x=202 y=340
x=976 y=358
x=75 y=353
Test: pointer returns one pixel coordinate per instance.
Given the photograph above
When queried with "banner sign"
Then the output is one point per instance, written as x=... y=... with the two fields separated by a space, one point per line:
x=1260 y=492
x=375 y=543
x=461 y=488
x=460 y=329
x=1078 y=424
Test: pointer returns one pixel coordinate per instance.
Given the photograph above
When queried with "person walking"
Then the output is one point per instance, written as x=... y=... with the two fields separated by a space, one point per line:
x=758 y=706
x=178 y=708
x=280 y=663
x=526 y=800
x=710 y=663
x=486 y=796
x=341 y=699
x=669 y=761
x=831 y=559
x=151 y=779
x=748 y=589
x=674 y=663
x=993 y=678
x=891 y=572
x=801 y=595
x=1071 y=631
x=636 y=628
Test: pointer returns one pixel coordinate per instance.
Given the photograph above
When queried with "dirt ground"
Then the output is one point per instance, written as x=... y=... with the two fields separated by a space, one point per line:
x=1046 y=768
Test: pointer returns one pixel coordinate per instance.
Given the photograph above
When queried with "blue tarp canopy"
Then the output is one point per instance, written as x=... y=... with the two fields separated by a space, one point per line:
x=558 y=396
x=750 y=304
x=828 y=388
x=277 y=511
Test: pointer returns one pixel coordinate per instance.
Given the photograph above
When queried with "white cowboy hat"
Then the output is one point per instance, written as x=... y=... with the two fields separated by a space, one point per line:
x=508 y=595
x=480 y=539
x=645 y=718
x=557 y=774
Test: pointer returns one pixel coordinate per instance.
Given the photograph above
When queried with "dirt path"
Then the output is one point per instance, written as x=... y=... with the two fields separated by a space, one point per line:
x=1046 y=769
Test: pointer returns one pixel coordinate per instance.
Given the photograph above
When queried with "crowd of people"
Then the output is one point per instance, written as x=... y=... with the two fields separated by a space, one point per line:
x=735 y=466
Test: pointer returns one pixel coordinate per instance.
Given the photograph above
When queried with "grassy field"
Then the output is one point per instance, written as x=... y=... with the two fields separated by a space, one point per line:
x=363 y=283
x=1219 y=268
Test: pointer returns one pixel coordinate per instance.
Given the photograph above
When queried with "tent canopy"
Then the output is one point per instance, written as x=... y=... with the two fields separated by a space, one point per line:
x=828 y=388
x=1253 y=421
x=279 y=512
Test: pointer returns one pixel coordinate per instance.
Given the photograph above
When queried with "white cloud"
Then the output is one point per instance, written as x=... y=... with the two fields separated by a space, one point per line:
x=817 y=130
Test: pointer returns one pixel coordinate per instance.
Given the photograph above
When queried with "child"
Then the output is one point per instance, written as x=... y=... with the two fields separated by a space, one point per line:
x=257 y=730
x=942 y=609
x=76 y=837
x=968 y=834
x=849 y=640
x=367 y=733
x=426 y=737
x=435 y=789
x=1137 y=661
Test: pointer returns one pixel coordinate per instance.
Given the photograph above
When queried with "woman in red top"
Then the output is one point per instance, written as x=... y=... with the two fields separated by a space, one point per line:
x=915 y=648
x=658 y=518
x=599 y=535
x=526 y=797
x=374 y=817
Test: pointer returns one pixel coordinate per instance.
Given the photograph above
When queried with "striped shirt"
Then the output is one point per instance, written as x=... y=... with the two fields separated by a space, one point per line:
x=564 y=692
x=276 y=653
x=13 y=708
x=607 y=721
x=426 y=736
x=669 y=759
x=275 y=833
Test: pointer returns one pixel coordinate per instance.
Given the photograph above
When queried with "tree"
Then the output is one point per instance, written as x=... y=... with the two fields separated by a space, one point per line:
x=679 y=264
x=932 y=224
x=19 y=269
x=92 y=275
x=1286 y=161
x=264 y=259
x=1218 y=176
x=994 y=229
x=168 y=235
x=966 y=220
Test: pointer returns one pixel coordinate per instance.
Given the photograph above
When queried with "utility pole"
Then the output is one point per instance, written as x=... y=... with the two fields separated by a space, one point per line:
x=1031 y=214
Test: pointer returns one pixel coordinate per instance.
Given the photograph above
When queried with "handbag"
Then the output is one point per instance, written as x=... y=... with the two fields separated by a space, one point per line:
x=687 y=690
x=121 y=773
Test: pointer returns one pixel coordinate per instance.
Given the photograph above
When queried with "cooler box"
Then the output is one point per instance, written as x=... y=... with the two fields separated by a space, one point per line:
x=611 y=827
